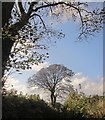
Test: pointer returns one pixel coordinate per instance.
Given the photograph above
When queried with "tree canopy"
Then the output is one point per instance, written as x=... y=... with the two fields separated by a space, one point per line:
x=24 y=26
x=56 y=79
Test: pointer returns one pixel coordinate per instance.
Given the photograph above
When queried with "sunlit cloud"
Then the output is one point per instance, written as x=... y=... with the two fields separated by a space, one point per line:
x=20 y=87
x=13 y=83
x=19 y=81
x=23 y=75
x=88 y=85
x=41 y=65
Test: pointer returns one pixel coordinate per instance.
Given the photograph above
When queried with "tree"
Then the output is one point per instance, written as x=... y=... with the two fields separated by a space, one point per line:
x=23 y=26
x=51 y=78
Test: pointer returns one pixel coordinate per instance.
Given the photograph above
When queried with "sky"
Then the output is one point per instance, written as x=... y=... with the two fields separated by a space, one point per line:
x=84 y=58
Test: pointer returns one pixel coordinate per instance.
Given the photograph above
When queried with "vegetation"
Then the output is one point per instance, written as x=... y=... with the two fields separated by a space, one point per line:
x=50 y=78
x=24 y=26
x=31 y=106
x=22 y=107
x=88 y=106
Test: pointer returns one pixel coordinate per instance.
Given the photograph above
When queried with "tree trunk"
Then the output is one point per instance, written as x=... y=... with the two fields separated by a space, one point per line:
x=6 y=12
x=53 y=99
x=7 y=43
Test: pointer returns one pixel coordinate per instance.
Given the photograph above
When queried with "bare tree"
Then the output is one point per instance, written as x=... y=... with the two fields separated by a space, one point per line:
x=53 y=79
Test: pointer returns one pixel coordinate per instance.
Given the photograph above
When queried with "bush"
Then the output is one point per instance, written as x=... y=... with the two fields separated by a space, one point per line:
x=87 y=106
x=31 y=106
x=21 y=107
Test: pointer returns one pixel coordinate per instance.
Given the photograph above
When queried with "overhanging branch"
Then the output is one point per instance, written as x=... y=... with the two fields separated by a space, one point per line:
x=40 y=19
x=61 y=3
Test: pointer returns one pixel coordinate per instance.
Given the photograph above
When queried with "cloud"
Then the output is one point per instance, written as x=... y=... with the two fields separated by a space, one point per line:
x=89 y=0
x=25 y=74
x=38 y=67
x=13 y=83
x=88 y=85
x=67 y=15
x=19 y=81
x=16 y=84
x=35 y=68
x=44 y=94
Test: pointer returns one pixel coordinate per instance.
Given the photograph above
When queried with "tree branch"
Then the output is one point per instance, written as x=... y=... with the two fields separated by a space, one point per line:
x=30 y=10
x=40 y=19
x=21 y=9
x=60 y=3
x=26 y=16
x=54 y=4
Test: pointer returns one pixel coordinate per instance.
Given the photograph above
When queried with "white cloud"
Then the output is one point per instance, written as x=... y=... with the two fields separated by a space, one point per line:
x=41 y=65
x=89 y=0
x=88 y=86
x=35 y=68
x=13 y=83
x=19 y=81
x=16 y=84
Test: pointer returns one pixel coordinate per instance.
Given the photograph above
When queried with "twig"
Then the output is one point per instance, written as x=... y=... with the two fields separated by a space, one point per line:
x=40 y=19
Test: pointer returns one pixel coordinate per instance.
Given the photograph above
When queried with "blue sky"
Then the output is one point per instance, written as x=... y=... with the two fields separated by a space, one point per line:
x=81 y=56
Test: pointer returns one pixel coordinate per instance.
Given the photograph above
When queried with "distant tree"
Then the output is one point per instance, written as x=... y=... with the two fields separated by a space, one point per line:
x=53 y=79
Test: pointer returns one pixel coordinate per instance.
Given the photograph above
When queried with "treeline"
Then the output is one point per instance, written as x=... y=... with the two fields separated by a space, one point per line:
x=19 y=107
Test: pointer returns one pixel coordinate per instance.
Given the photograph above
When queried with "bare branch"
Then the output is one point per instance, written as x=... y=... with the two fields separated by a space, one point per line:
x=30 y=10
x=67 y=4
x=55 y=4
x=50 y=78
x=21 y=9
x=40 y=19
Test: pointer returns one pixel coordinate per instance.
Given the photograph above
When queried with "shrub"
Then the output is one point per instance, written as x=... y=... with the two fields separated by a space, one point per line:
x=87 y=106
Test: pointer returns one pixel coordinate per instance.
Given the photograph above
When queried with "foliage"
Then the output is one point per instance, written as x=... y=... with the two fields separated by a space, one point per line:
x=19 y=106
x=88 y=106
x=23 y=107
x=51 y=78
x=27 y=27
